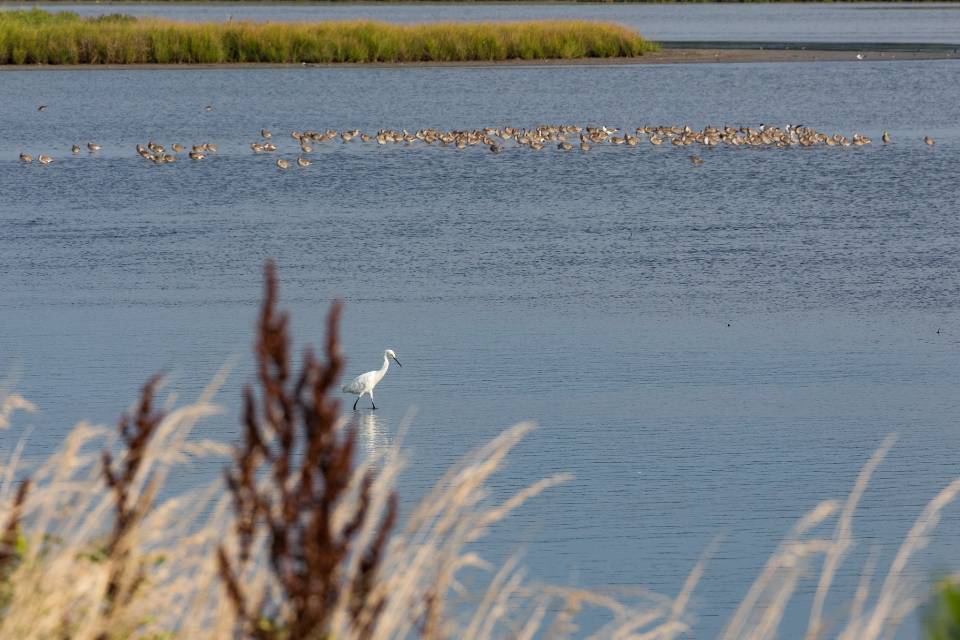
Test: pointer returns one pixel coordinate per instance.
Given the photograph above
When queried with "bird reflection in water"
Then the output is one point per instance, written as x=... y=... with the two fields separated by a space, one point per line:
x=372 y=434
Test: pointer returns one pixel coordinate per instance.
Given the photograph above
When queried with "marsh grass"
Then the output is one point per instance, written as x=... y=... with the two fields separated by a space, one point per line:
x=300 y=540
x=39 y=37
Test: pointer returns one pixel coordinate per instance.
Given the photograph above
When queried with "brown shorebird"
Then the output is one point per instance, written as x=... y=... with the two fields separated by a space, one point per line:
x=42 y=159
x=75 y=149
x=177 y=148
x=928 y=140
x=282 y=164
x=303 y=162
x=196 y=155
x=696 y=160
x=26 y=157
x=93 y=147
x=885 y=137
x=265 y=133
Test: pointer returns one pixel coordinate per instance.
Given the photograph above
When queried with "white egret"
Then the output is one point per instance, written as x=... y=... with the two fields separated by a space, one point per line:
x=364 y=383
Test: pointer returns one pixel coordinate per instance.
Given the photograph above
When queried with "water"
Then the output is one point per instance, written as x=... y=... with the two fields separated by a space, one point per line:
x=711 y=351
x=813 y=22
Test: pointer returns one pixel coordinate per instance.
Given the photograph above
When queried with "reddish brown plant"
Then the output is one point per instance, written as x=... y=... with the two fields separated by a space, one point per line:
x=130 y=507
x=289 y=475
x=8 y=541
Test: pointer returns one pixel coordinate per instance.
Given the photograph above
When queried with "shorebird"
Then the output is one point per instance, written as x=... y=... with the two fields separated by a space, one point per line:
x=26 y=157
x=495 y=148
x=42 y=107
x=282 y=164
x=365 y=383
x=177 y=147
x=42 y=159
x=93 y=147
x=75 y=149
x=302 y=162
x=696 y=160
x=265 y=133
x=928 y=140
x=196 y=155
x=208 y=108
x=885 y=137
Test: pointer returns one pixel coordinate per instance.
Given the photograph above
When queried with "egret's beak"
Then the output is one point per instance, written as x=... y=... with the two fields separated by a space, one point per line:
x=397 y=361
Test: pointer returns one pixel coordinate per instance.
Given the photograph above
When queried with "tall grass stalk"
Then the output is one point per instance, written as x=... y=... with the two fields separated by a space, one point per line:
x=39 y=37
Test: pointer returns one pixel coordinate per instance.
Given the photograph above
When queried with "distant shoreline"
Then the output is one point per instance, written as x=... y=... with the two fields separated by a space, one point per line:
x=948 y=4
x=664 y=56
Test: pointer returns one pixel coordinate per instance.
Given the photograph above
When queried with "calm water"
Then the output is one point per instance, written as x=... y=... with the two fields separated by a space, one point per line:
x=711 y=351
x=833 y=22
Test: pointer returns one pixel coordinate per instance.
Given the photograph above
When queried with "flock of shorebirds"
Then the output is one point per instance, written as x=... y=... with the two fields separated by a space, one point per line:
x=564 y=137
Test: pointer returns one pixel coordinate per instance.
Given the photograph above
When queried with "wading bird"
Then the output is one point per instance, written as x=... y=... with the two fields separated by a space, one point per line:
x=364 y=383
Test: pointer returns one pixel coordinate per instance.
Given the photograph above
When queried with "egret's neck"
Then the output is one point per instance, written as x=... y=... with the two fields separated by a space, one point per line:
x=383 y=370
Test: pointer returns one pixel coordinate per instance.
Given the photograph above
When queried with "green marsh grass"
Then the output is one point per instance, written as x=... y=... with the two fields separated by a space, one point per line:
x=40 y=37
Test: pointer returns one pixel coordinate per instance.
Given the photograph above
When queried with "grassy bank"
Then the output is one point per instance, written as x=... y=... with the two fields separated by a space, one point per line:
x=39 y=37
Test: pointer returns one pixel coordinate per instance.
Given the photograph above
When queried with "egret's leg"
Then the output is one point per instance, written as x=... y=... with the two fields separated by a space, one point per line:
x=372 y=402
x=355 y=402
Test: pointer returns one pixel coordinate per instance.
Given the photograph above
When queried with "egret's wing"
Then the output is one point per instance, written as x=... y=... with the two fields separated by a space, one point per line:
x=358 y=384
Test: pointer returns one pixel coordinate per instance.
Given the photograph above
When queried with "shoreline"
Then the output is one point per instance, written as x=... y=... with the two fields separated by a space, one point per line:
x=666 y=55
x=877 y=4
